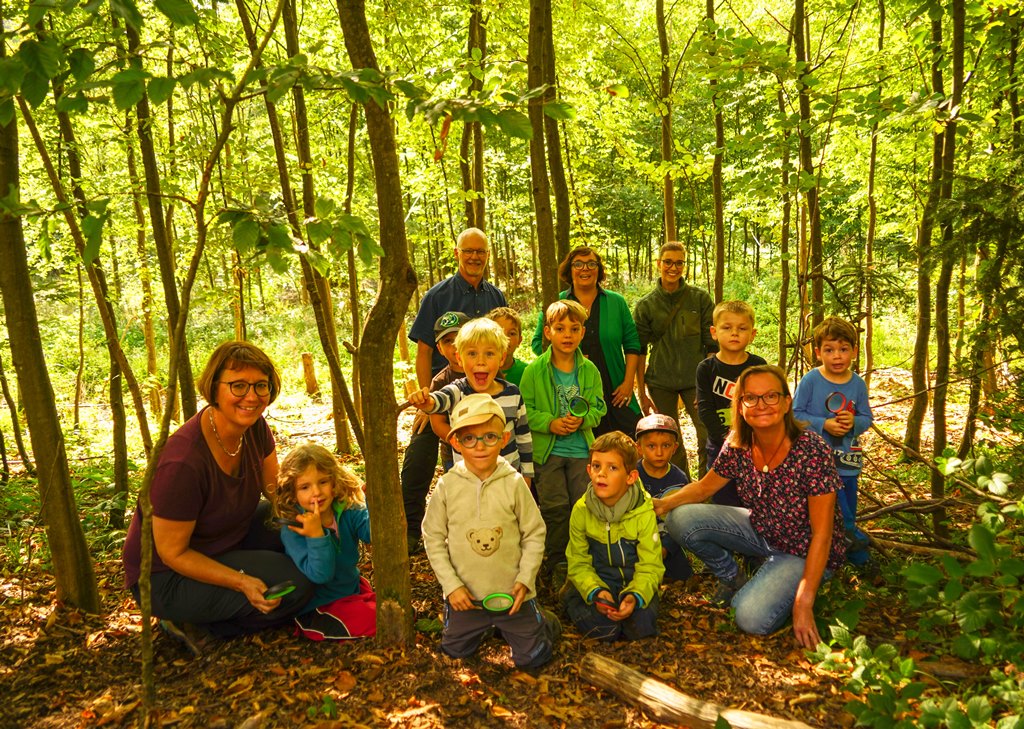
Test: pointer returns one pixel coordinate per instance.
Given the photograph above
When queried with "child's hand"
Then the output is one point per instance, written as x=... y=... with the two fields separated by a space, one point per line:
x=462 y=599
x=421 y=399
x=311 y=524
x=519 y=593
x=566 y=425
x=834 y=426
x=600 y=600
x=659 y=507
x=626 y=608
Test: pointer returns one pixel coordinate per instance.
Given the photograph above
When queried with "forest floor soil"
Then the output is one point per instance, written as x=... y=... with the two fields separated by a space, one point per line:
x=60 y=667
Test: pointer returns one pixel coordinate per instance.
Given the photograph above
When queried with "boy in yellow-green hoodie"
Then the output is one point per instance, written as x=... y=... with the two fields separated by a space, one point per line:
x=614 y=549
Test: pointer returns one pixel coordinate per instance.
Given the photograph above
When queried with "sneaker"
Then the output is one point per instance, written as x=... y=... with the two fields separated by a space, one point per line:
x=728 y=588
x=415 y=544
x=554 y=625
x=181 y=633
x=563 y=591
x=558 y=576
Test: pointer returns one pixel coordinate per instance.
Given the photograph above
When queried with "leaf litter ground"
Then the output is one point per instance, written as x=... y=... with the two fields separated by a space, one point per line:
x=62 y=668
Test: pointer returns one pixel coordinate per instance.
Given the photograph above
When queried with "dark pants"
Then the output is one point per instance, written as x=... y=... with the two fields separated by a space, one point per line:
x=560 y=483
x=643 y=623
x=727 y=495
x=530 y=634
x=667 y=403
x=418 y=468
x=223 y=611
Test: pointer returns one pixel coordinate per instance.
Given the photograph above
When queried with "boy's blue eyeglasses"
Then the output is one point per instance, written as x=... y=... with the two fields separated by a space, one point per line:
x=469 y=440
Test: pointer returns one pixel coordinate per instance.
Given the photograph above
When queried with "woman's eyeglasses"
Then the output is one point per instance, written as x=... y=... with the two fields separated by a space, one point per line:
x=580 y=265
x=750 y=400
x=469 y=440
x=240 y=388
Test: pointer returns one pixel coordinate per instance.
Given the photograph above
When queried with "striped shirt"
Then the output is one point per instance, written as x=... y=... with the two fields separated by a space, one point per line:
x=519 y=449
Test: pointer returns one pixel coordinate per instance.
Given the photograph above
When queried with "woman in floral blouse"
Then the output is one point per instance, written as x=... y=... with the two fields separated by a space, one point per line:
x=787 y=481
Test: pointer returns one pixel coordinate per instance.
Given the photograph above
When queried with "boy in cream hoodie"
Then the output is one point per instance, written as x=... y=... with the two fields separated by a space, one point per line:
x=484 y=537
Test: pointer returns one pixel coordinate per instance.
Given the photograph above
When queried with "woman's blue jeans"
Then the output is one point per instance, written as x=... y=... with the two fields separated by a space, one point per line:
x=714 y=533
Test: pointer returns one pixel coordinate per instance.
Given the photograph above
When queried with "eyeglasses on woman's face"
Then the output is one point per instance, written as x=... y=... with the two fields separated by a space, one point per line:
x=769 y=399
x=580 y=265
x=469 y=440
x=240 y=388
x=672 y=263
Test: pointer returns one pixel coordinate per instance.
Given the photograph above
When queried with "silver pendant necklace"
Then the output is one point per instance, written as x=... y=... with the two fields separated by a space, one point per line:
x=216 y=436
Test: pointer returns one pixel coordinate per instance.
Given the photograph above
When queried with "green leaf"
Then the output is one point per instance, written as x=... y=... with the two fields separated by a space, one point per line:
x=515 y=124
x=128 y=88
x=127 y=11
x=245 y=234
x=41 y=57
x=12 y=71
x=979 y=711
x=279 y=238
x=560 y=110
x=35 y=87
x=160 y=89
x=82 y=63
x=323 y=207
x=369 y=250
x=922 y=574
x=92 y=226
x=74 y=104
x=620 y=90
x=318 y=261
x=722 y=723
x=318 y=231
x=1000 y=483
x=179 y=12
x=983 y=541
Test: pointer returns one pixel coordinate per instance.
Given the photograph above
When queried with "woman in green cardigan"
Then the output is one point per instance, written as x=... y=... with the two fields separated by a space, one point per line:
x=610 y=341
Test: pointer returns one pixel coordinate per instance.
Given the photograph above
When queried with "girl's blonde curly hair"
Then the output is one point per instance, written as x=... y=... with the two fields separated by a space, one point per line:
x=347 y=487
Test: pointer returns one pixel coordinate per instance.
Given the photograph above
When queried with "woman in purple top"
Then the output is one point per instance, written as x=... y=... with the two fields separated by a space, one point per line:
x=213 y=556
x=787 y=481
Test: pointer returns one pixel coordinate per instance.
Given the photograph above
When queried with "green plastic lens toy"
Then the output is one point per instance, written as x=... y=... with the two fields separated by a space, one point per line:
x=578 y=406
x=496 y=602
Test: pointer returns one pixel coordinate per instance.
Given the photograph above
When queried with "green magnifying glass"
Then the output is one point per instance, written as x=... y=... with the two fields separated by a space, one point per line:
x=578 y=406
x=496 y=602
x=279 y=590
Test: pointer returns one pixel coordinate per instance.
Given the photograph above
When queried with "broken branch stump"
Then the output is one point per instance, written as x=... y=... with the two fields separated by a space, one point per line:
x=309 y=374
x=666 y=704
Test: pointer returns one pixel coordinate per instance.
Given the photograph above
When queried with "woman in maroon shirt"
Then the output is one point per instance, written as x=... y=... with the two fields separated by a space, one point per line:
x=787 y=480
x=214 y=557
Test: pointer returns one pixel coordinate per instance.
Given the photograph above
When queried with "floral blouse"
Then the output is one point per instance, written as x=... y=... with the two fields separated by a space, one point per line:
x=778 y=499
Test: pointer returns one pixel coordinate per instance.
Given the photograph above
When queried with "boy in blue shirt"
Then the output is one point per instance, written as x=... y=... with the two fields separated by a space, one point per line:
x=657 y=438
x=833 y=400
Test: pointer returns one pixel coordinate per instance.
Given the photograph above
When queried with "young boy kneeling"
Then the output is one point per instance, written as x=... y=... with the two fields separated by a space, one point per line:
x=614 y=549
x=484 y=537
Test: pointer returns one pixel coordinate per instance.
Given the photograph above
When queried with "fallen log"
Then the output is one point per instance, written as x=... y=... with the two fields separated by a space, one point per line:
x=666 y=704
x=921 y=549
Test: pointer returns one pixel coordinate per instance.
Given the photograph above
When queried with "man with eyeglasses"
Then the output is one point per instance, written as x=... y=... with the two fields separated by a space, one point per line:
x=674 y=323
x=465 y=291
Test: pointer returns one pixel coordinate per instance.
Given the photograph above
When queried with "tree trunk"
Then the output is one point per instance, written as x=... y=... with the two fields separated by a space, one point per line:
x=815 y=259
x=72 y=566
x=668 y=192
x=949 y=258
x=553 y=144
x=314 y=279
x=540 y=10
x=161 y=237
x=145 y=277
x=716 y=173
x=919 y=368
x=19 y=442
x=376 y=355
x=787 y=209
x=353 y=272
x=869 y=244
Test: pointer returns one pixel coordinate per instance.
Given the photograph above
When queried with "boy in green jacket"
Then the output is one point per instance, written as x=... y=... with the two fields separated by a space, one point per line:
x=563 y=395
x=614 y=550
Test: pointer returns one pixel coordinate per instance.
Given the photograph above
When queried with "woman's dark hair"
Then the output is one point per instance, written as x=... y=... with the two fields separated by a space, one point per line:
x=742 y=435
x=235 y=355
x=565 y=267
